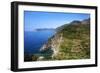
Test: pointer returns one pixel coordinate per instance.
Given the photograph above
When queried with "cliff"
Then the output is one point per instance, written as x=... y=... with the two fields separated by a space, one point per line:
x=72 y=41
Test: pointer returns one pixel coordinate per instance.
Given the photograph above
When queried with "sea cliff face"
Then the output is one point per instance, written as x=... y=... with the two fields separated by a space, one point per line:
x=71 y=41
x=54 y=44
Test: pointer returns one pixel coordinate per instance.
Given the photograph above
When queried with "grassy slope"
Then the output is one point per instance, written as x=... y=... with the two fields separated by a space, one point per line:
x=76 y=42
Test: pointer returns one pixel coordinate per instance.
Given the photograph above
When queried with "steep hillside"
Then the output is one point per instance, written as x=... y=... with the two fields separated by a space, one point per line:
x=72 y=41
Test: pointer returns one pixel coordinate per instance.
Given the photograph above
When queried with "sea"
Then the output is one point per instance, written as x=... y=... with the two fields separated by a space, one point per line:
x=34 y=40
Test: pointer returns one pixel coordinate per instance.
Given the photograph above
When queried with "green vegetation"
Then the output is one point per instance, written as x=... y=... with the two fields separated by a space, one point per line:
x=75 y=43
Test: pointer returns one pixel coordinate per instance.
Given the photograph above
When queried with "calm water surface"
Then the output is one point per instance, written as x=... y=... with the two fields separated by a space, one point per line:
x=34 y=40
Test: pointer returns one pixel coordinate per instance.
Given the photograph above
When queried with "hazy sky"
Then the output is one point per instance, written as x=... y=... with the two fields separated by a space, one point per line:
x=34 y=20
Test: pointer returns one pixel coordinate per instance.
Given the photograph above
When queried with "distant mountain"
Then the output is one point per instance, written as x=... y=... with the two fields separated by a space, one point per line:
x=86 y=21
x=72 y=41
x=76 y=22
x=40 y=29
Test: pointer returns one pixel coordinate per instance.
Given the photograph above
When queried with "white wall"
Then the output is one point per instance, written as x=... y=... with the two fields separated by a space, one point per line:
x=5 y=35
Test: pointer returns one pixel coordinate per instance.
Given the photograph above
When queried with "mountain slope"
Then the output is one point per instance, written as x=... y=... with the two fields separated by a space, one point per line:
x=72 y=41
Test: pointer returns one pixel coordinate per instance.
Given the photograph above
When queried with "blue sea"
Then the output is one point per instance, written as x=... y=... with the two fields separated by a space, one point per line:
x=34 y=40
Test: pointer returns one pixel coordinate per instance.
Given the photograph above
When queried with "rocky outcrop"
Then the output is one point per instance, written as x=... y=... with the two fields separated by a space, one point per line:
x=54 y=44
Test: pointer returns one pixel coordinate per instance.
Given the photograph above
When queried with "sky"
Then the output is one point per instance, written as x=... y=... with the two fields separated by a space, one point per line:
x=34 y=20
